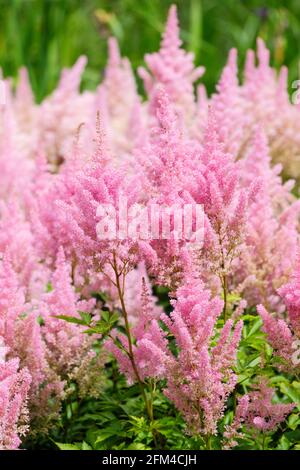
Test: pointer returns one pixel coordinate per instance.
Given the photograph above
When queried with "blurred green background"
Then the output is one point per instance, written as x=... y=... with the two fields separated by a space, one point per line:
x=45 y=35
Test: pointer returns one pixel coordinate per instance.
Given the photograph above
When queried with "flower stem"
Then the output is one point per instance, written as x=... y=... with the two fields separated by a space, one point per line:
x=120 y=289
x=225 y=288
x=207 y=439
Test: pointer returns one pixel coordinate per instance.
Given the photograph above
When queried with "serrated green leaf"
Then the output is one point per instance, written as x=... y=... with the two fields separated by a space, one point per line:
x=105 y=315
x=86 y=317
x=284 y=443
x=70 y=319
x=294 y=421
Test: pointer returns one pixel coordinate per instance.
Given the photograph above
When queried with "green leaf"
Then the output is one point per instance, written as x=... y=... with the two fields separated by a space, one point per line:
x=62 y=446
x=105 y=315
x=138 y=446
x=294 y=421
x=293 y=394
x=70 y=319
x=49 y=287
x=284 y=443
x=85 y=446
x=255 y=328
x=40 y=320
x=115 y=317
x=108 y=432
x=86 y=317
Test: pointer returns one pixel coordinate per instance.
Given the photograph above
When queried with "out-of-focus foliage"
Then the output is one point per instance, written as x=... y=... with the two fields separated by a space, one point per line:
x=45 y=35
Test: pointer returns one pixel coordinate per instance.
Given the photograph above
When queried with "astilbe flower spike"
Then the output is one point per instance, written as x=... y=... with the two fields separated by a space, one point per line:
x=290 y=293
x=281 y=338
x=200 y=378
x=14 y=387
x=256 y=413
x=284 y=335
x=173 y=68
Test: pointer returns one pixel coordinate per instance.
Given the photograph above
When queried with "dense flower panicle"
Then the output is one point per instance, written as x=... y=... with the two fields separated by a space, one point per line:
x=290 y=293
x=67 y=346
x=166 y=167
x=264 y=94
x=173 y=68
x=200 y=378
x=257 y=413
x=281 y=339
x=14 y=386
x=119 y=88
x=22 y=335
x=228 y=107
x=68 y=108
x=17 y=242
x=284 y=336
x=271 y=232
x=226 y=204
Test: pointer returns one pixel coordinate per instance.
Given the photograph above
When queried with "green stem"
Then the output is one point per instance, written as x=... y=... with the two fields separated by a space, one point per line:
x=120 y=289
x=263 y=441
x=225 y=288
x=207 y=440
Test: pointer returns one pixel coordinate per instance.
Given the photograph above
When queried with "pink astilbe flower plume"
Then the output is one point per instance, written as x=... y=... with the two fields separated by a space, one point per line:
x=284 y=335
x=64 y=340
x=173 y=68
x=67 y=347
x=281 y=339
x=228 y=107
x=200 y=378
x=119 y=92
x=290 y=293
x=22 y=334
x=257 y=413
x=66 y=107
x=14 y=387
x=271 y=231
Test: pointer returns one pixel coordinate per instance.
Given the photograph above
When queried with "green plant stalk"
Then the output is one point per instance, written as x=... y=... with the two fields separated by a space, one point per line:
x=148 y=403
x=207 y=440
x=225 y=289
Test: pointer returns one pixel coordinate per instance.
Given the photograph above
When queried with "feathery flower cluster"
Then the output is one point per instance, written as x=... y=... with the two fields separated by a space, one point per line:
x=257 y=413
x=200 y=377
x=284 y=335
x=14 y=386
